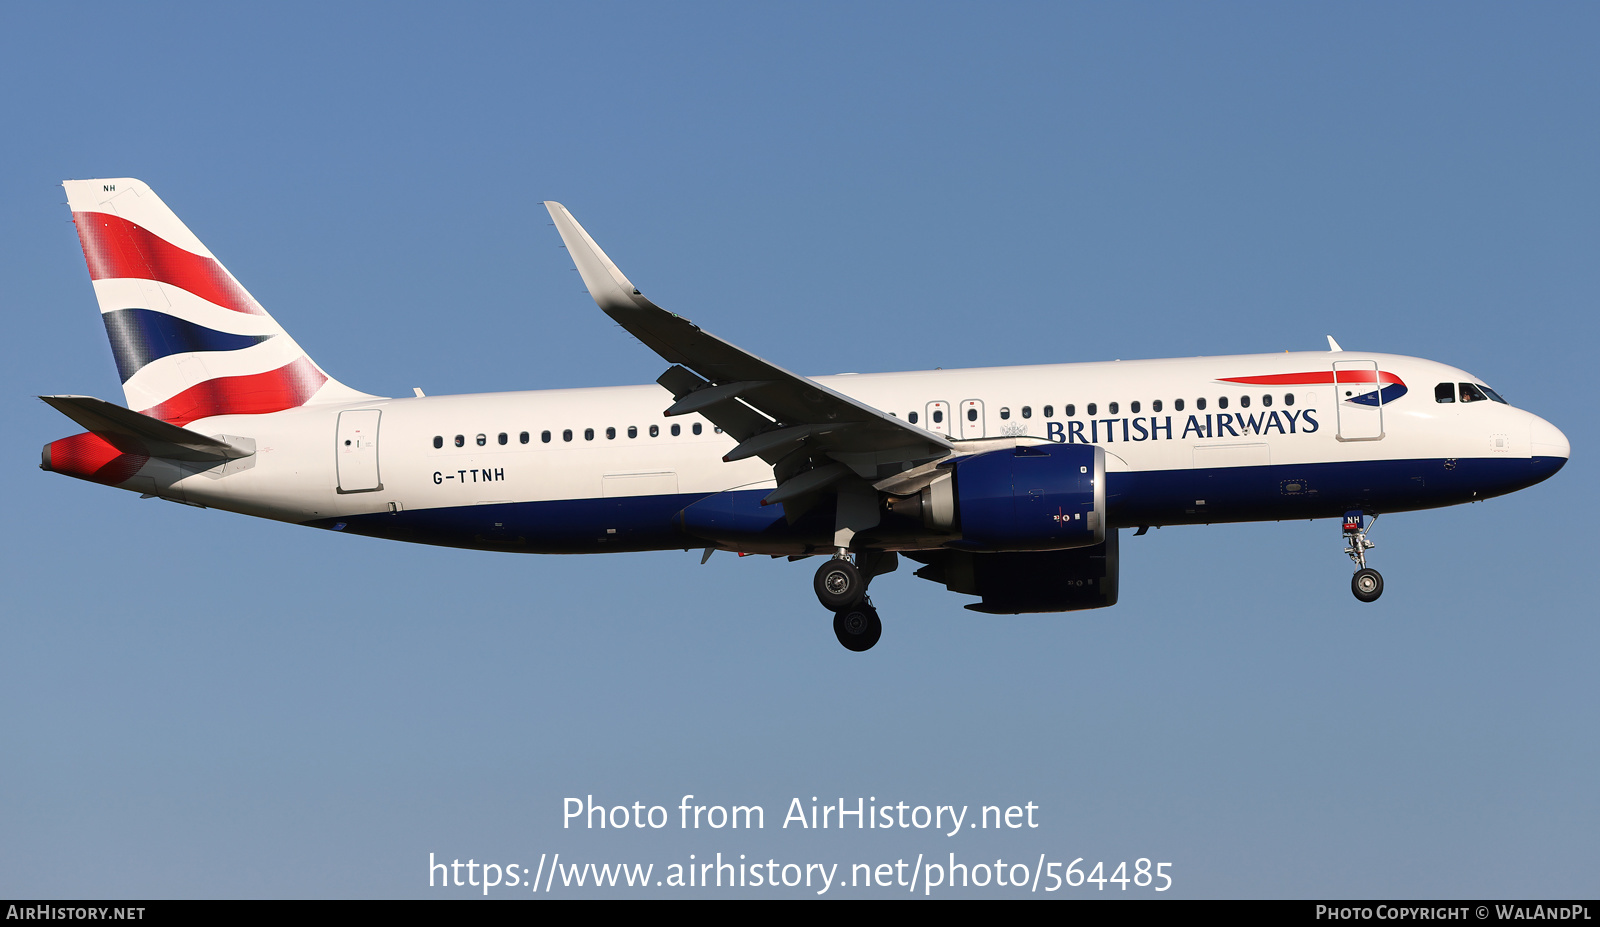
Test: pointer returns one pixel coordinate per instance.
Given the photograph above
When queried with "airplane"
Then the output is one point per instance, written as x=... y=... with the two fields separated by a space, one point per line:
x=1010 y=484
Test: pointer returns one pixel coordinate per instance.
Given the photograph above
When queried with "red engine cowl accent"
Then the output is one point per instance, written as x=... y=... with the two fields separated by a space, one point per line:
x=91 y=457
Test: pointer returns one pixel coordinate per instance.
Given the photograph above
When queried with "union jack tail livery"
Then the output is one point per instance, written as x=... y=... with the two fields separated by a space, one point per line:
x=189 y=341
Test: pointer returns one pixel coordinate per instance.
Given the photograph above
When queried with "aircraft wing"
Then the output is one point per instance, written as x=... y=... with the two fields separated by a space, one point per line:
x=782 y=417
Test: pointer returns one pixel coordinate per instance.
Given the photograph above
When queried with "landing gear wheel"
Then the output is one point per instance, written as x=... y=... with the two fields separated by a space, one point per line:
x=840 y=585
x=1367 y=584
x=858 y=627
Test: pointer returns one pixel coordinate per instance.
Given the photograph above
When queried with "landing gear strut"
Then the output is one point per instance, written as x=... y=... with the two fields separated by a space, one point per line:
x=1367 y=584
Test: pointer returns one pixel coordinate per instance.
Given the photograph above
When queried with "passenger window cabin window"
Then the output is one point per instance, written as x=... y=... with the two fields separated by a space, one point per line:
x=438 y=441
x=544 y=437
x=696 y=428
x=1155 y=406
x=912 y=418
x=482 y=440
x=1070 y=410
x=611 y=434
x=938 y=416
x=1444 y=392
x=1177 y=405
x=633 y=431
x=566 y=434
x=588 y=434
x=1005 y=413
x=1027 y=411
x=1288 y=399
x=523 y=437
x=1266 y=400
x=461 y=440
x=1113 y=408
x=1134 y=407
x=1222 y=402
x=1244 y=402
x=504 y=438
x=655 y=431
x=1093 y=407
x=677 y=430
x=1200 y=404
x=1049 y=411
x=972 y=415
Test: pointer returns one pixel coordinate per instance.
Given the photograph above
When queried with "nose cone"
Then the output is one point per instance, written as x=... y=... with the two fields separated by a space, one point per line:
x=1548 y=441
x=1548 y=448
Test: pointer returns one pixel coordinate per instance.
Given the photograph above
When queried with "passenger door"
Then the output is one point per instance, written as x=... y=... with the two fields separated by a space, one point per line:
x=356 y=447
x=1358 y=400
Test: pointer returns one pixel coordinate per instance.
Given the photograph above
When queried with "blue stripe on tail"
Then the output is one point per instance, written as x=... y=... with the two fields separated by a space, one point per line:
x=140 y=336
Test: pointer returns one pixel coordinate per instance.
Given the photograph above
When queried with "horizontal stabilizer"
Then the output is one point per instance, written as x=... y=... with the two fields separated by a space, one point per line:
x=133 y=433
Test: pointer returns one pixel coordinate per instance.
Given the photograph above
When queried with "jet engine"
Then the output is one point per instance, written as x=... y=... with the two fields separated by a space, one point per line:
x=1026 y=498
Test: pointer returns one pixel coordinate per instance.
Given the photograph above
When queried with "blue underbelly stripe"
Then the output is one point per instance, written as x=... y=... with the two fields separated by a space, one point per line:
x=1156 y=497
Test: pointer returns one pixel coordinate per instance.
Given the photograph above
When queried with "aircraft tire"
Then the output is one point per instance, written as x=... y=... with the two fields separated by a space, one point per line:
x=858 y=627
x=1367 y=584
x=839 y=585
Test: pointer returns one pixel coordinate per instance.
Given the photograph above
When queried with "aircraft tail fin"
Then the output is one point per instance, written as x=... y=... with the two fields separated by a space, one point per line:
x=189 y=341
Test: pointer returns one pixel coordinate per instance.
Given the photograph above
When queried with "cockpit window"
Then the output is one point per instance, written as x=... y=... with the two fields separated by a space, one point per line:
x=1494 y=395
x=1471 y=393
x=1444 y=392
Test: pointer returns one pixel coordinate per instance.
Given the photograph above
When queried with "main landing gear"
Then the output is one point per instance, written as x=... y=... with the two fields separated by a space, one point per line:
x=842 y=589
x=857 y=627
x=1367 y=584
x=839 y=584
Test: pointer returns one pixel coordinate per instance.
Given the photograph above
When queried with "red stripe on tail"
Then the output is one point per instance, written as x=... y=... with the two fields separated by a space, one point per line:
x=256 y=394
x=115 y=247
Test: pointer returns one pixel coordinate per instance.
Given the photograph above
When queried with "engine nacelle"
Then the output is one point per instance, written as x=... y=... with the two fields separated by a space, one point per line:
x=1028 y=581
x=1036 y=497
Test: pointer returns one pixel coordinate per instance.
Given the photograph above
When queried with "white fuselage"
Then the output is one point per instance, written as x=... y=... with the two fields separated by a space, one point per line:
x=467 y=450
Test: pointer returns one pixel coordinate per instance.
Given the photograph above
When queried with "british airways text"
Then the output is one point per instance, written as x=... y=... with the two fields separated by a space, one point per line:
x=1153 y=428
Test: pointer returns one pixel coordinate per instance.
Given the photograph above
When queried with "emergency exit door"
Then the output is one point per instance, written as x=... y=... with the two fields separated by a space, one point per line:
x=356 y=450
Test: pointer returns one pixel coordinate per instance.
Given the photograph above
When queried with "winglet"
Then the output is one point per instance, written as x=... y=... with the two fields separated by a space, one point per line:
x=616 y=295
x=609 y=287
x=1334 y=346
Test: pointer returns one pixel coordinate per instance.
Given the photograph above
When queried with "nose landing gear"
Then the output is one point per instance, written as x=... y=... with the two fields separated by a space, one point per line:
x=1367 y=584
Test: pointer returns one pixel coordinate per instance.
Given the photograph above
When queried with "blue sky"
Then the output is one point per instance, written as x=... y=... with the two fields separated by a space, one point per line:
x=200 y=704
